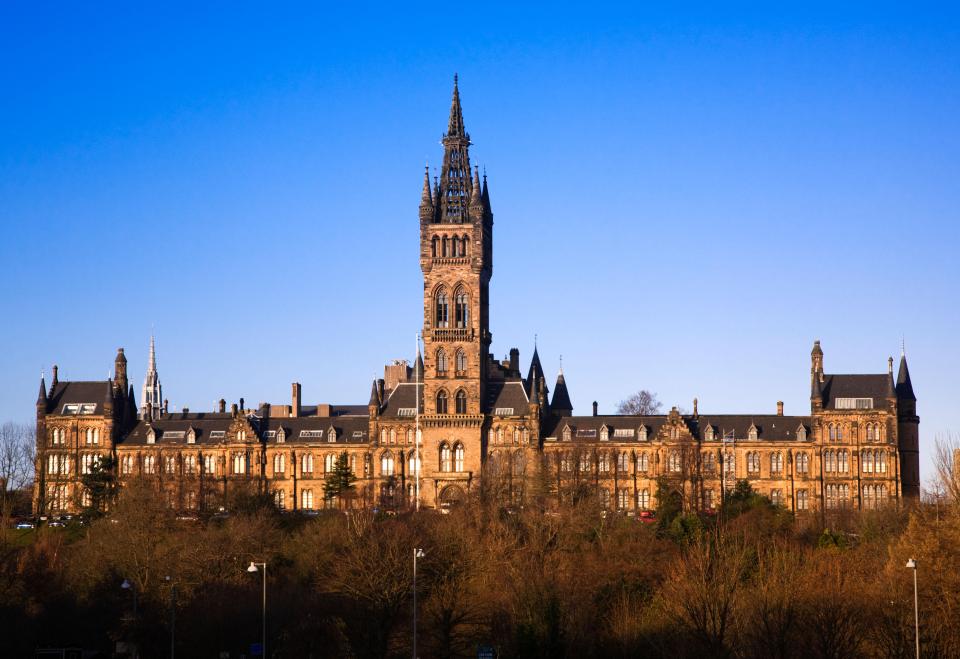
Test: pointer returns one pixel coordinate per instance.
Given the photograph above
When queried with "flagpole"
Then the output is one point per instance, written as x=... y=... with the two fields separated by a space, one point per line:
x=416 y=403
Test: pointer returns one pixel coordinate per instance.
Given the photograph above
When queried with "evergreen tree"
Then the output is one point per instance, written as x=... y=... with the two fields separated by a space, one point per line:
x=100 y=482
x=339 y=482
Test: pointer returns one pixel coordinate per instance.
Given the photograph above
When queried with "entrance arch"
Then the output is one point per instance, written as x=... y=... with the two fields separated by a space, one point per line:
x=451 y=495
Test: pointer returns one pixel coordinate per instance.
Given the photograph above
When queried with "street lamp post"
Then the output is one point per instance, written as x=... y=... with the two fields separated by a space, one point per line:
x=173 y=613
x=253 y=568
x=127 y=585
x=912 y=564
x=417 y=553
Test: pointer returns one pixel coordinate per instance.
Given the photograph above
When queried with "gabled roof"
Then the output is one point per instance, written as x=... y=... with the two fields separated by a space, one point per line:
x=508 y=395
x=402 y=397
x=873 y=386
x=66 y=393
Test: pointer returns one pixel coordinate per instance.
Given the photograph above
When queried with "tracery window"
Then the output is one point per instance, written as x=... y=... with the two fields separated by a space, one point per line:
x=306 y=499
x=443 y=306
x=329 y=462
x=753 y=462
x=441 y=362
x=306 y=463
x=445 y=463
x=643 y=462
x=623 y=498
x=462 y=303
x=802 y=501
x=776 y=462
x=441 y=402
x=803 y=463
x=149 y=464
x=461 y=361
x=674 y=462
x=603 y=463
x=386 y=464
x=644 y=499
x=623 y=462
x=458 y=457
x=461 y=402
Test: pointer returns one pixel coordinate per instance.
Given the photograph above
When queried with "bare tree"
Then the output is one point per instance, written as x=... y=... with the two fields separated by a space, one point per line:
x=16 y=462
x=642 y=403
x=945 y=458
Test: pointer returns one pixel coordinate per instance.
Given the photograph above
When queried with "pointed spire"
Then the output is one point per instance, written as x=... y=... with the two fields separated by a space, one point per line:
x=108 y=394
x=561 y=397
x=904 y=385
x=152 y=364
x=891 y=388
x=426 y=198
x=475 y=199
x=418 y=367
x=42 y=398
x=374 y=395
x=535 y=372
x=455 y=125
x=485 y=193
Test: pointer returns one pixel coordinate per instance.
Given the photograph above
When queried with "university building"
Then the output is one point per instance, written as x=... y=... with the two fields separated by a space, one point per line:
x=455 y=419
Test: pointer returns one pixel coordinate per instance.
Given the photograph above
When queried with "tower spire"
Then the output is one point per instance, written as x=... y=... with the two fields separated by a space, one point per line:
x=152 y=398
x=454 y=193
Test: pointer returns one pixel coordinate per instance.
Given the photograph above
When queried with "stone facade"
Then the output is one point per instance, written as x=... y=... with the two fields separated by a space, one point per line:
x=474 y=420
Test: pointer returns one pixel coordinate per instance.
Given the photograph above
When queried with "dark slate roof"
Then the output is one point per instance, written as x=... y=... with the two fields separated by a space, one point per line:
x=336 y=410
x=904 y=385
x=856 y=386
x=403 y=396
x=769 y=426
x=65 y=393
x=509 y=395
x=535 y=372
x=561 y=397
x=554 y=427
x=350 y=429
x=203 y=423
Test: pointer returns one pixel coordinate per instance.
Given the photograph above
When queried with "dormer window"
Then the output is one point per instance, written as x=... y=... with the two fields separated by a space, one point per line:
x=332 y=434
x=709 y=434
x=802 y=433
x=567 y=433
x=241 y=435
x=642 y=434
x=604 y=433
x=151 y=436
x=191 y=436
x=752 y=432
x=281 y=436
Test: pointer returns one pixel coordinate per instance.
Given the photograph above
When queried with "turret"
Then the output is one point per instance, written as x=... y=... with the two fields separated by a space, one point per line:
x=120 y=369
x=816 y=377
x=561 y=405
x=908 y=432
x=374 y=404
x=42 y=398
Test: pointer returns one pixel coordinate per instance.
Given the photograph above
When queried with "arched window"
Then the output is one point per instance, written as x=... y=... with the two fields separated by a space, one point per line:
x=458 y=457
x=443 y=308
x=306 y=499
x=414 y=468
x=803 y=463
x=753 y=462
x=623 y=462
x=443 y=243
x=445 y=463
x=586 y=462
x=776 y=462
x=462 y=308
x=455 y=246
x=603 y=463
x=409 y=436
x=843 y=462
x=881 y=462
x=279 y=463
x=434 y=245
x=441 y=402
x=329 y=462
x=673 y=461
x=441 y=362
x=833 y=432
x=644 y=496
x=461 y=402
x=643 y=462
x=278 y=499
x=464 y=243
x=829 y=461
x=386 y=464
x=393 y=436
x=306 y=463
x=461 y=361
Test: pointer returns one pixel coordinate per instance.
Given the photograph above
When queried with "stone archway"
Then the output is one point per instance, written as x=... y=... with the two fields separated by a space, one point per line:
x=451 y=495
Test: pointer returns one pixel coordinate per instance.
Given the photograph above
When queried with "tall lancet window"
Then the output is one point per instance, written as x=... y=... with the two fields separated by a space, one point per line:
x=443 y=309
x=441 y=362
x=462 y=303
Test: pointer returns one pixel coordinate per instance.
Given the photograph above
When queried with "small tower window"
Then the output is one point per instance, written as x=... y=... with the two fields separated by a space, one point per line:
x=462 y=308
x=461 y=402
x=461 y=361
x=445 y=464
x=463 y=245
x=443 y=309
x=441 y=362
x=441 y=402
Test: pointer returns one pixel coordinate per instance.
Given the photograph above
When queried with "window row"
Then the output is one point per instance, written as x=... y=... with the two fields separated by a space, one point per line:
x=517 y=435
x=452 y=246
x=459 y=362
x=460 y=402
x=461 y=308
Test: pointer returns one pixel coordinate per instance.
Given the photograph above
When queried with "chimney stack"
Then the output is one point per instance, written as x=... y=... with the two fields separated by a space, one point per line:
x=242 y=407
x=54 y=380
x=594 y=408
x=233 y=409
x=779 y=408
x=514 y=359
x=295 y=395
x=323 y=409
x=166 y=406
x=223 y=407
x=695 y=411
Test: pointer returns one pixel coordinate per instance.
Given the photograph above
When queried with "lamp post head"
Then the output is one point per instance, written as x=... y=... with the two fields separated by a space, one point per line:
x=418 y=553
x=252 y=568
x=126 y=585
x=912 y=564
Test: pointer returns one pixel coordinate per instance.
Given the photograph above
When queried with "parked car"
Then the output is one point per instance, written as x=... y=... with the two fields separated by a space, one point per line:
x=56 y=524
x=25 y=525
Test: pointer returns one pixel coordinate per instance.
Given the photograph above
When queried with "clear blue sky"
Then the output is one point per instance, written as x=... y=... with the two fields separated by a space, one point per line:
x=684 y=199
